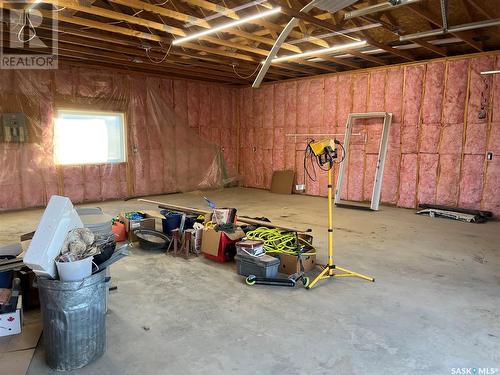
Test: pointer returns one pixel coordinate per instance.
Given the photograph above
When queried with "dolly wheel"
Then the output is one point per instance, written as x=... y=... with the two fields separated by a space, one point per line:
x=305 y=281
x=250 y=280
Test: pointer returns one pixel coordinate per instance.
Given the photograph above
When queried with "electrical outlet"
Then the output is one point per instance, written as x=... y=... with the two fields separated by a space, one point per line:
x=300 y=187
x=489 y=156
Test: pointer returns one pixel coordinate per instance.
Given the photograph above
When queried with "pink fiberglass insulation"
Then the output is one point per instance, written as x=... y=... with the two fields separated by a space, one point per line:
x=267 y=166
x=268 y=106
x=215 y=107
x=31 y=176
x=411 y=108
x=303 y=106
x=193 y=103
x=479 y=90
x=429 y=138
x=280 y=139
x=344 y=92
x=110 y=182
x=279 y=105
x=316 y=103
x=265 y=139
x=373 y=137
x=491 y=198
x=475 y=139
x=93 y=84
x=427 y=178
x=204 y=107
x=259 y=167
x=156 y=171
x=408 y=181
x=448 y=180
x=494 y=140
x=376 y=102
x=258 y=108
x=433 y=95
x=278 y=160
x=330 y=108
x=456 y=92
x=359 y=93
x=157 y=123
x=227 y=110
x=290 y=124
x=471 y=183
x=370 y=169
x=451 y=139
x=394 y=93
x=390 y=181
x=355 y=175
x=495 y=109
x=64 y=81
x=92 y=184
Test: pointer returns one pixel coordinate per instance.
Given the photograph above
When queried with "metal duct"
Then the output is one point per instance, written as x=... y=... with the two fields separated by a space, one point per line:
x=330 y=5
x=333 y=6
x=377 y=8
x=453 y=29
x=444 y=13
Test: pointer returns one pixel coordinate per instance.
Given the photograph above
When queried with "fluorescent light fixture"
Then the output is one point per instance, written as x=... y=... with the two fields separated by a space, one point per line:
x=222 y=14
x=343 y=32
x=489 y=72
x=227 y=25
x=322 y=51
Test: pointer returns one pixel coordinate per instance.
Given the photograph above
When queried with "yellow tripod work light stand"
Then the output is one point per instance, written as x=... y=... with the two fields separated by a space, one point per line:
x=325 y=152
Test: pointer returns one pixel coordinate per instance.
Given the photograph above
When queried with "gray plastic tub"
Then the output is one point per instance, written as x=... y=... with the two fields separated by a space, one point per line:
x=262 y=266
x=74 y=321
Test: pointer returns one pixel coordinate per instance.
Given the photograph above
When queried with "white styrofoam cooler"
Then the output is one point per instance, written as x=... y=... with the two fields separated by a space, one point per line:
x=58 y=219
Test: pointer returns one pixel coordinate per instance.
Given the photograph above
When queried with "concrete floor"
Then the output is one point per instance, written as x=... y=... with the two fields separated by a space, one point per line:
x=435 y=305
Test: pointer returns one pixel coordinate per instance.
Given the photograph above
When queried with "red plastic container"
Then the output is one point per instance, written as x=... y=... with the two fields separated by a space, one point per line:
x=119 y=231
x=226 y=252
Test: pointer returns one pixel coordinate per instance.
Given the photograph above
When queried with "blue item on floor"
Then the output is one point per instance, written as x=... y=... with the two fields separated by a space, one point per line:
x=6 y=279
x=172 y=221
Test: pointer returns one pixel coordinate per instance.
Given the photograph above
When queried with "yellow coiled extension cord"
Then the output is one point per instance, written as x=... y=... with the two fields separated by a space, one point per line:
x=276 y=241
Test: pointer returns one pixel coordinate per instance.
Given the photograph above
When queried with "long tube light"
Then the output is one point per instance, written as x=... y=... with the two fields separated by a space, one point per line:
x=452 y=29
x=490 y=72
x=321 y=51
x=227 y=25
x=222 y=14
x=377 y=8
x=343 y=32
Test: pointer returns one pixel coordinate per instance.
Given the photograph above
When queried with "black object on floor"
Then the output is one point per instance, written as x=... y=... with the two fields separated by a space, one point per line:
x=152 y=239
x=484 y=214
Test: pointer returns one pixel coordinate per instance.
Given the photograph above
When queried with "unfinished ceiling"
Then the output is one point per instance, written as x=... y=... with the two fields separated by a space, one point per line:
x=138 y=35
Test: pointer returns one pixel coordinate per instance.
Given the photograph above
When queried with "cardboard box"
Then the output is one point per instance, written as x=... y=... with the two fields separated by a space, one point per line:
x=282 y=182
x=220 y=246
x=289 y=264
x=149 y=222
x=11 y=323
x=210 y=241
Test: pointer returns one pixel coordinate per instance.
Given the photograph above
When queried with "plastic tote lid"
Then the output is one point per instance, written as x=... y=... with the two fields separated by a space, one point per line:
x=58 y=219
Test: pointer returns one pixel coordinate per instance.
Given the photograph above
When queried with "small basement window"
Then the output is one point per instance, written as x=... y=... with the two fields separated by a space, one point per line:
x=86 y=137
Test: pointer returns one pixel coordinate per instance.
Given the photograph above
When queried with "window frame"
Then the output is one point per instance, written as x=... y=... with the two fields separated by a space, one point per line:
x=97 y=113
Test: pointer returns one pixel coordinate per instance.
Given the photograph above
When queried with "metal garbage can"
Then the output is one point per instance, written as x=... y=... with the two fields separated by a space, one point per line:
x=74 y=320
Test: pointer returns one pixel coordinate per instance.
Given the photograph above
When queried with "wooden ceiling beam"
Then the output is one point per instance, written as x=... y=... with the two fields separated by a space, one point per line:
x=293 y=12
x=403 y=54
x=368 y=57
x=141 y=5
x=345 y=62
x=483 y=9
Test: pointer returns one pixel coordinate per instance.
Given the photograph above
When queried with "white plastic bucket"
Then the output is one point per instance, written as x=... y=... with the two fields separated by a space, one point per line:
x=75 y=271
